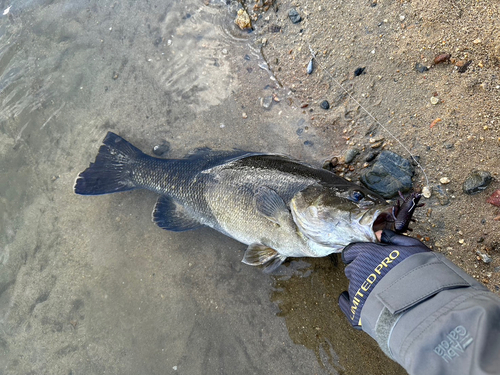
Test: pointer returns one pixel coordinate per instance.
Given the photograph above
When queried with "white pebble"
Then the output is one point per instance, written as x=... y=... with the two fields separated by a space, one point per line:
x=434 y=100
x=444 y=180
x=426 y=192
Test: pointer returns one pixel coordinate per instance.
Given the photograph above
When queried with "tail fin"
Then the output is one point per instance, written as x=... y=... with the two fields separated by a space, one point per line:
x=111 y=171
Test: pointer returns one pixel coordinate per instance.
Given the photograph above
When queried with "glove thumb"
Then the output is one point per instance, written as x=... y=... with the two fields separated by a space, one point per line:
x=391 y=238
x=345 y=306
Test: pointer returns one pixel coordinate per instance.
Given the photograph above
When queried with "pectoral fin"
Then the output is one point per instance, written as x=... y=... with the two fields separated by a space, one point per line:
x=257 y=254
x=171 y=216
x=271 y=205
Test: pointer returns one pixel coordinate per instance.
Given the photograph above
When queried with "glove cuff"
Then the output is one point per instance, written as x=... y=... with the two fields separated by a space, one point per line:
x=389 y=314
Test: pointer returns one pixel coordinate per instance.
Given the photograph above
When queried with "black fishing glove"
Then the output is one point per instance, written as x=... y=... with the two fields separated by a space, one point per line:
x=367 y=263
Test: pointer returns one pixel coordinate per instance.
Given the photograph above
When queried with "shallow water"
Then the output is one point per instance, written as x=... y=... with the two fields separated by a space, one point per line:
x=88 y=285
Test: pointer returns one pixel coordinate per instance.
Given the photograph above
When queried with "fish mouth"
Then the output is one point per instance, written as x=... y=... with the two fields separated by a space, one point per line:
x=384 y=220
x=398 y=217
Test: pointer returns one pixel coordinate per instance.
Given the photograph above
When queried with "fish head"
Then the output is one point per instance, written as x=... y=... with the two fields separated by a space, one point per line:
x=334 y=217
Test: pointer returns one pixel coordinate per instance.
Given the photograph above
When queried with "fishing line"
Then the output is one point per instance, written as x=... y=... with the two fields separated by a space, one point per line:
x=313 y=54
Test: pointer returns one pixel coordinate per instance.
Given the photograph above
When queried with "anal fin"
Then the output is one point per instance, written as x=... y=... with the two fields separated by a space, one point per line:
x=171 y=216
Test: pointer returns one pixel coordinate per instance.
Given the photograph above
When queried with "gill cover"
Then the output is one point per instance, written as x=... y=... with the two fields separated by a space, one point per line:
x=334 y=218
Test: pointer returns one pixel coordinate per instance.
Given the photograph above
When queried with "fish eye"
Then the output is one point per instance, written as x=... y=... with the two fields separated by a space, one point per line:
x=356 y=195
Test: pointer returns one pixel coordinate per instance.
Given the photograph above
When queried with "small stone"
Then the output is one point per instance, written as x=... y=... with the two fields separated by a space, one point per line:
x=371 y=156
x=494 y=199
x=350 y=155
x=115 y=75
x=434 y=100
x=441 y=195
x=443 y=57
x=484 y=257
x=310 y=67
x=359 y=71
x=294 y=16
x=244 y=115
x=476 y=182
x=427 y=192
x=444 y=180
x=324 y=104
x=421 y=68
x=461 y=241
x=243 y=20
x=266 y=102
x=388 y=175
x=162 y=148
x=462 y=66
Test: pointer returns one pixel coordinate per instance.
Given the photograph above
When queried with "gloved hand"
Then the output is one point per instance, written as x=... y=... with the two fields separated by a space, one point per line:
x=368 y=263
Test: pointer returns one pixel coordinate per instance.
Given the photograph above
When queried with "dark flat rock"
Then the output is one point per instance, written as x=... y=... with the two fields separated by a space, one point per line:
x=389 y=174
x=476 y=182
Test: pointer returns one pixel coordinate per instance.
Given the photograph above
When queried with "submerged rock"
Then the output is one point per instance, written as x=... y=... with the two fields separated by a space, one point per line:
x=476 y=182
x=389 y=174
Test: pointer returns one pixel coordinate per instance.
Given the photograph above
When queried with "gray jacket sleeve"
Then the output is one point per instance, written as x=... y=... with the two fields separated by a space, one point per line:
x=432 y=318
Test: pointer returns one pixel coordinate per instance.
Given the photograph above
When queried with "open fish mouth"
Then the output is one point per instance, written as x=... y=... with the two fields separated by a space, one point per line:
x=398 y=217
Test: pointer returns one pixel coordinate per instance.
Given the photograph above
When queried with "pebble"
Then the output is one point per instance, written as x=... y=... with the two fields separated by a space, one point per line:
x=266 y=102
x=444 y=180
x=441 y=195
x=350 y=155
x=444 y=57
x=324 y=104
x=243 y=20
x=427 y=192
x=310 y=67
x=462 y=66
x=359 y=71
x=294 y=16
x=371 y=156
x=476 y=182
x=494 y=199
x=161 y=149
x=421 y=68
x=388 y=175
x=434 y=100
x=484 y=257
